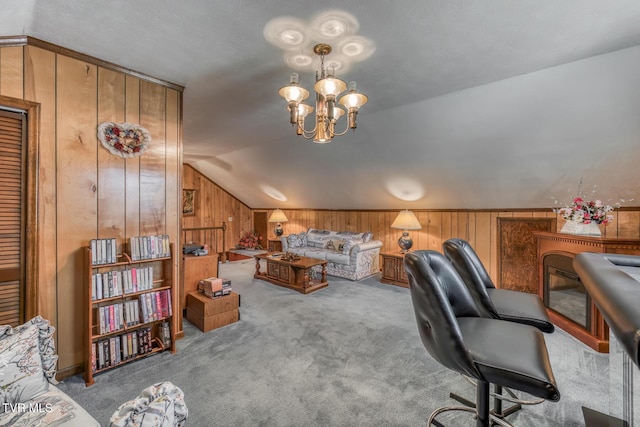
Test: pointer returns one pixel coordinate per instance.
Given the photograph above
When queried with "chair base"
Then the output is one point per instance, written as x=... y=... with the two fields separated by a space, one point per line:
x=497 y=410
x=493 y=419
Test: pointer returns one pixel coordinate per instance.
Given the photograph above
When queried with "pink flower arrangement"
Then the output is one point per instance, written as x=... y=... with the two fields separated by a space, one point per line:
x=250 y=240
x=587 y=212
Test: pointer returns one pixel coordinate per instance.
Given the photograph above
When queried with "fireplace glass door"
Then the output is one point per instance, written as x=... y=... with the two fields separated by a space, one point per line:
x=564 y=292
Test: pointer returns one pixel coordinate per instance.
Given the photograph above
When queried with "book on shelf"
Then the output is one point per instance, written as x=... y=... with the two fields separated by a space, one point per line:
x=94 y=361
x=120 y=348
x=164 y=332
x=149 y=247
x=103 y=251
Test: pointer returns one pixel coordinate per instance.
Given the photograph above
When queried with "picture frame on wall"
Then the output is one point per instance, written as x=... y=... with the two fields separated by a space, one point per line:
x=188 y=202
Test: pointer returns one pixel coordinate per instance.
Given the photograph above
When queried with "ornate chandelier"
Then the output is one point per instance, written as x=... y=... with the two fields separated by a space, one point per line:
x=327 y=88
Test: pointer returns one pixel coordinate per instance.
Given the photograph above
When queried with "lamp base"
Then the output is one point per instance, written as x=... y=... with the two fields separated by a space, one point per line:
x=405 y=242
x=278 y=230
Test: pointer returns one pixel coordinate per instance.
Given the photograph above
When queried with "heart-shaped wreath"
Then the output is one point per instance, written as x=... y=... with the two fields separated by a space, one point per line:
x=124 y=139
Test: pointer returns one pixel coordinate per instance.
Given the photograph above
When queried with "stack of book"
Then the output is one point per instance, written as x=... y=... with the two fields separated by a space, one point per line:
x=214 y=287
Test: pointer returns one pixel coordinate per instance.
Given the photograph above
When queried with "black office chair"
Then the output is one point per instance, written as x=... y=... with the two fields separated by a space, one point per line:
x=505 y=304
x=455 y=333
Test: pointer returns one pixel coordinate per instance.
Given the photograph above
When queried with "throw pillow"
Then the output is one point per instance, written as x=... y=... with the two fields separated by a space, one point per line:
x=47 y=346
x=366 y=238
x=346 y=247
x=293 y=241
x=22 y=376
x=335 y=244
x=303 y=238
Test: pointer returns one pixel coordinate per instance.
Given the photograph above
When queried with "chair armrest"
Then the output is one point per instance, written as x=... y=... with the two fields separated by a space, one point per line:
x=361 y=247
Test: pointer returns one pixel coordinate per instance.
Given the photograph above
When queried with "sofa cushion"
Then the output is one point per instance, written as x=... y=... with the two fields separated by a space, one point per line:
x=317 y=244
x=349 y=235
x=53 y=408
x=316 y=253
x=338 y=258
x=299 y=251
x=22 y=376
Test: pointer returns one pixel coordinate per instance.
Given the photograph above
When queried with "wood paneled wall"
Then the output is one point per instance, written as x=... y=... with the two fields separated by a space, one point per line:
x=213 y=206
x=84 y=192
x=477 y=227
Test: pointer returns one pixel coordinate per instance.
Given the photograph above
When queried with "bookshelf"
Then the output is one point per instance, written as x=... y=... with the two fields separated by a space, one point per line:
x=130 y=303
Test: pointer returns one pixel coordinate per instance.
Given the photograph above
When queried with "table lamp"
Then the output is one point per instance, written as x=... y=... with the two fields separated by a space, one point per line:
x=406 y=220
x=279 y=217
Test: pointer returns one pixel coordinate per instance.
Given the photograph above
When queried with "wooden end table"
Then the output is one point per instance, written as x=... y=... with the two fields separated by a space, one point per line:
x=295 y=275
x=393 y=271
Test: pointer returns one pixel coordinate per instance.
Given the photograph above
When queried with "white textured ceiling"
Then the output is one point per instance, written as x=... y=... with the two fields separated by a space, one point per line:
x=472 y=104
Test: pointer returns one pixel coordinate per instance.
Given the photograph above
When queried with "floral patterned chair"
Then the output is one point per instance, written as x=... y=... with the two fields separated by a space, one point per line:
x=27 y=380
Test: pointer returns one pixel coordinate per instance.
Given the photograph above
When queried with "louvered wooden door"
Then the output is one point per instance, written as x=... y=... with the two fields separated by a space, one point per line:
x=12 y=216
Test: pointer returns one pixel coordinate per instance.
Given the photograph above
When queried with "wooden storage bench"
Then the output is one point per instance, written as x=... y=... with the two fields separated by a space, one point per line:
x=208 y=314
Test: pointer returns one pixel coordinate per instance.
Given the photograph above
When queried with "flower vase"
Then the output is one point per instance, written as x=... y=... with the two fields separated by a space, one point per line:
x=581 y=229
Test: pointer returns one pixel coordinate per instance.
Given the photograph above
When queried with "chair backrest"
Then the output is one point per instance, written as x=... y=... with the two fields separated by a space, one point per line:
x=439 y=297
x=468 y=265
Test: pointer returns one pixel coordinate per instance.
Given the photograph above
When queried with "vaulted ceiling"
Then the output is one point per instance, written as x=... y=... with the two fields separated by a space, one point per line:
x=472 y=104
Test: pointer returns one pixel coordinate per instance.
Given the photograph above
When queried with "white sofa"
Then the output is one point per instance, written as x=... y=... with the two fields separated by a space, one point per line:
x=353 y=256
x=27 y=380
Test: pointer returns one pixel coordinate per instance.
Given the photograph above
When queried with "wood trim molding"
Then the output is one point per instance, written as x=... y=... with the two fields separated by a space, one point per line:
x=7 y=41
x=32 y=236
x=32 y=41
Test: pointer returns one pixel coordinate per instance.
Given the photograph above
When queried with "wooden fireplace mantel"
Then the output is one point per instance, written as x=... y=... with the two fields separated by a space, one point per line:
x=596 y=335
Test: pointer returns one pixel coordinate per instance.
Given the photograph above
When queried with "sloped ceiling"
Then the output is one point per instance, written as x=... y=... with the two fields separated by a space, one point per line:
x=472 y=104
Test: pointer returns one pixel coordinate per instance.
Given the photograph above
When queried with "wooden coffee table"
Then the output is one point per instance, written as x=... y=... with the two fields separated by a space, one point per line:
x=292 y=274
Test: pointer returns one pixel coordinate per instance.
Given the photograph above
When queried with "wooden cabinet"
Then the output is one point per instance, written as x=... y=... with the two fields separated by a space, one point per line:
x=393 y=271
x=130 y=308
x=194 y=269
x=274 y=245
x=278 y=272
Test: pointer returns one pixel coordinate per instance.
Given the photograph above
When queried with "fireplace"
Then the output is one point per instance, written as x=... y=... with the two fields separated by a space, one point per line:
x=563 y=290
x=568 y=304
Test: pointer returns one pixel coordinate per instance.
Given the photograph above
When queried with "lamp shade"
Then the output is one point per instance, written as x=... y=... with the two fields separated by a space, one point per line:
x=406 y=220
x=278 y=216
x=330 y=87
